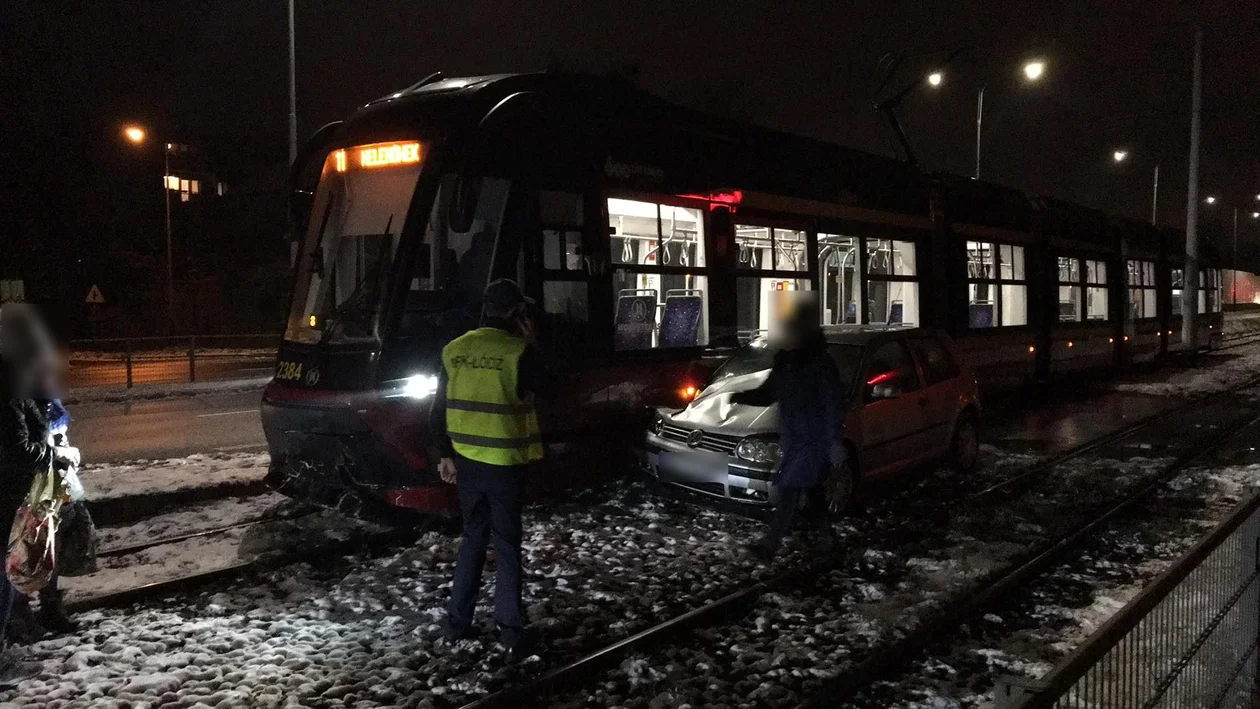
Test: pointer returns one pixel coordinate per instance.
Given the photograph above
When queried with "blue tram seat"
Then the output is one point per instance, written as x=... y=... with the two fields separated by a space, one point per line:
x=636 y=319
x=896 y=312
x=680 y=322
x=980 y=315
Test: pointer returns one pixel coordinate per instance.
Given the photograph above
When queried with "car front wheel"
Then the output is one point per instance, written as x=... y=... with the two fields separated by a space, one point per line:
x=964 y=447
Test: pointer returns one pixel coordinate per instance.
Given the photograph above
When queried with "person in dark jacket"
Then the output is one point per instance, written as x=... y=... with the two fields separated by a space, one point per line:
x=805 y=383
x=28 y=370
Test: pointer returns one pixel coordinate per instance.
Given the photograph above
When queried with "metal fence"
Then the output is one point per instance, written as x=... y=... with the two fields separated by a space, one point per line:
x=128 y=362
x=1187 y=640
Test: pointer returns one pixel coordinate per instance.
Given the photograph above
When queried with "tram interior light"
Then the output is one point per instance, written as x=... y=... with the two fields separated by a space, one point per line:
x=420 y=386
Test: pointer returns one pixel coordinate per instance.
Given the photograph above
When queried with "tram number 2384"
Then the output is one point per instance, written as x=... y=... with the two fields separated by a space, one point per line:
x=289 y=371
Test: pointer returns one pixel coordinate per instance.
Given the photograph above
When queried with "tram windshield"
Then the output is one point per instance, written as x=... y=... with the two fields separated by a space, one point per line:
x=359 y=209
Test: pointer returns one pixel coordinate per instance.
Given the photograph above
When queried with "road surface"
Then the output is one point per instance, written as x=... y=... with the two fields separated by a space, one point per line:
x=168 y=428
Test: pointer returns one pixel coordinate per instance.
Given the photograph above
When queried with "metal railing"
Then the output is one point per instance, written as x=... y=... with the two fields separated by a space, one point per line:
x=1188 y=639
x=128 y=362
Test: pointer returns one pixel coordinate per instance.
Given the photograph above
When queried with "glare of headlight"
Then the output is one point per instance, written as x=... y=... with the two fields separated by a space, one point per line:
x=420 y=386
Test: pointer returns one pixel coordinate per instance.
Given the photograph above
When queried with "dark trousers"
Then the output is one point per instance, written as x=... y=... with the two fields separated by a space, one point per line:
x=490 y=499
x=814 y=511
x=7 y=592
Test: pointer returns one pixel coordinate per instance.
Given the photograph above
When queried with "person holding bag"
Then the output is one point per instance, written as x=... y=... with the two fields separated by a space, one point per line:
x=28 y=372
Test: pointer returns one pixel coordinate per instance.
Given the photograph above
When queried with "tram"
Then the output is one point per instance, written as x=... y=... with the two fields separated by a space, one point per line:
x=652 y=237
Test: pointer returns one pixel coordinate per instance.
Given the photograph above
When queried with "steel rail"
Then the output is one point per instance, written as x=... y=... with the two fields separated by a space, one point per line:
x=124 y=550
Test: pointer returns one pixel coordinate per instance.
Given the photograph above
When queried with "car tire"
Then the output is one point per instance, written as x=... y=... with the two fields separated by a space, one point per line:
x=839 y=487
x=964 y=444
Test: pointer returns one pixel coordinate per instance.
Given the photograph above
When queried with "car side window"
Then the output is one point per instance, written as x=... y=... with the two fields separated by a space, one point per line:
x=937 y=361
x=890 y=364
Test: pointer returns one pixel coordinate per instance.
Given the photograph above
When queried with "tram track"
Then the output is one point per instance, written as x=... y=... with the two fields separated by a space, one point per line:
x=589 y=668
x=128 y=549
x=371 y=541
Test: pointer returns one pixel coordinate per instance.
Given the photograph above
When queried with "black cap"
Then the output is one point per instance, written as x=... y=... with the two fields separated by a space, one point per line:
x=505 y=292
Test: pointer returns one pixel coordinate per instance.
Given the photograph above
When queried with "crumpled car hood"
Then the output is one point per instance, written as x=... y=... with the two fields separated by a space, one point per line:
x=713 y=410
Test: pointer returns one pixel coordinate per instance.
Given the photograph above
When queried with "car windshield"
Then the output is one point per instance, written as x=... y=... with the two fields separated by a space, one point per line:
x=758 y=356
x=360 y=206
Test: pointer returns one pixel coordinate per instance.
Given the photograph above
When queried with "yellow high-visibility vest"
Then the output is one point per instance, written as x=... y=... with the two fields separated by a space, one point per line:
x=485 y=418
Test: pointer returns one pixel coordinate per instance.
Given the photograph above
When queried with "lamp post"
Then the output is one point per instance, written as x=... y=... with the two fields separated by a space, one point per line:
x=1033 y=71
x=137 y=136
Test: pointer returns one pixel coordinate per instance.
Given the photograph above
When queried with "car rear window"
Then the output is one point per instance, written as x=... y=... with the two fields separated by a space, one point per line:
x=937 y=362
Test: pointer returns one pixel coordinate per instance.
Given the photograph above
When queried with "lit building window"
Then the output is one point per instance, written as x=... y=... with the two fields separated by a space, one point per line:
x=194 y=186
x=172 y=182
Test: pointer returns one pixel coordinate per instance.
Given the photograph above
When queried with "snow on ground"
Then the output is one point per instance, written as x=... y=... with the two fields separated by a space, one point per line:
x=1230 y=371
x=172 y=353
x=192 y=518
x=364 y=632
x=1051 y=617
x=145 y=477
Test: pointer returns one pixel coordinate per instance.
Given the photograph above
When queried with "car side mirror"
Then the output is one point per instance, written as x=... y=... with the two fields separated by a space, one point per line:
x=885 y=390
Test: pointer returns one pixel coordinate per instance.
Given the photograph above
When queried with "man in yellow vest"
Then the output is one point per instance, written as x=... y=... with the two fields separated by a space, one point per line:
x=488 y=436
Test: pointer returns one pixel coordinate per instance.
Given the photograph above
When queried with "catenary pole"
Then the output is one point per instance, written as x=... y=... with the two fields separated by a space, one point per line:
x=1190 y=274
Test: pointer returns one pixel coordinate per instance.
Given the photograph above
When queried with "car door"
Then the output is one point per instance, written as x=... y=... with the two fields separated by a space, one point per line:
x=892 y=415
x=940 y=389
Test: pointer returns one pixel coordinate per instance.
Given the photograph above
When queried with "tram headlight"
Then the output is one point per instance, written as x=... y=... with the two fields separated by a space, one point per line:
x=420 y=386
x=758 y=450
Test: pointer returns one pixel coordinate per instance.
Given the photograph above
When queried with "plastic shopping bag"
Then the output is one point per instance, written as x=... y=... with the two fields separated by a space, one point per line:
x=76 y=541
x=74 y=486
x=32 y=553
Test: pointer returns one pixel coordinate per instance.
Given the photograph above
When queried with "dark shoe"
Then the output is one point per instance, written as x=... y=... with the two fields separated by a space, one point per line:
x=52 y=614
x=519 y=643
x=454 y=634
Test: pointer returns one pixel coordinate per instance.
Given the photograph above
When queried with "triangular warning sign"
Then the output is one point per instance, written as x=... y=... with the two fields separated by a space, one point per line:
x=94 y=296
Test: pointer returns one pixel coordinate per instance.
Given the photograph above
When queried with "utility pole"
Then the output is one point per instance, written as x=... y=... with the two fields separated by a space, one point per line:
x=292 y=92
x=1155 y=197
x=1190 y=273
x=170 y=260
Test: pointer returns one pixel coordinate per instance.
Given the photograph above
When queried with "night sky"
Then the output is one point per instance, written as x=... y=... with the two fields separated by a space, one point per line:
x=213 y=74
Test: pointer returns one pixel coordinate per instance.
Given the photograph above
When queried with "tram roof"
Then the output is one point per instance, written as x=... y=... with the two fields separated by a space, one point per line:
x=701 y=152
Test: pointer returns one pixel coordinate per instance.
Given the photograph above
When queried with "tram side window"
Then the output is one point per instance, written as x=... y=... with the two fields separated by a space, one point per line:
x=1069 y=289
x=1142 y=290
x=660 y=285
x=778 y=256
x=1210 y=290
x=566 y=313
x=1176 y=278
x=996 y=285
x=839 y=282
x=892 y=288
x=1096 y=290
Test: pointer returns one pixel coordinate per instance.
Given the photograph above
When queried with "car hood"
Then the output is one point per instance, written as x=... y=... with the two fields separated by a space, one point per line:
x=713 y=410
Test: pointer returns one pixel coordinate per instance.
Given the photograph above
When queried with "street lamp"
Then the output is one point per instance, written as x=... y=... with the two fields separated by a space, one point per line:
x=1119 y=155
x=1033 y=71
x=935 y=78
x=137 y=135
x=1234 y=277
